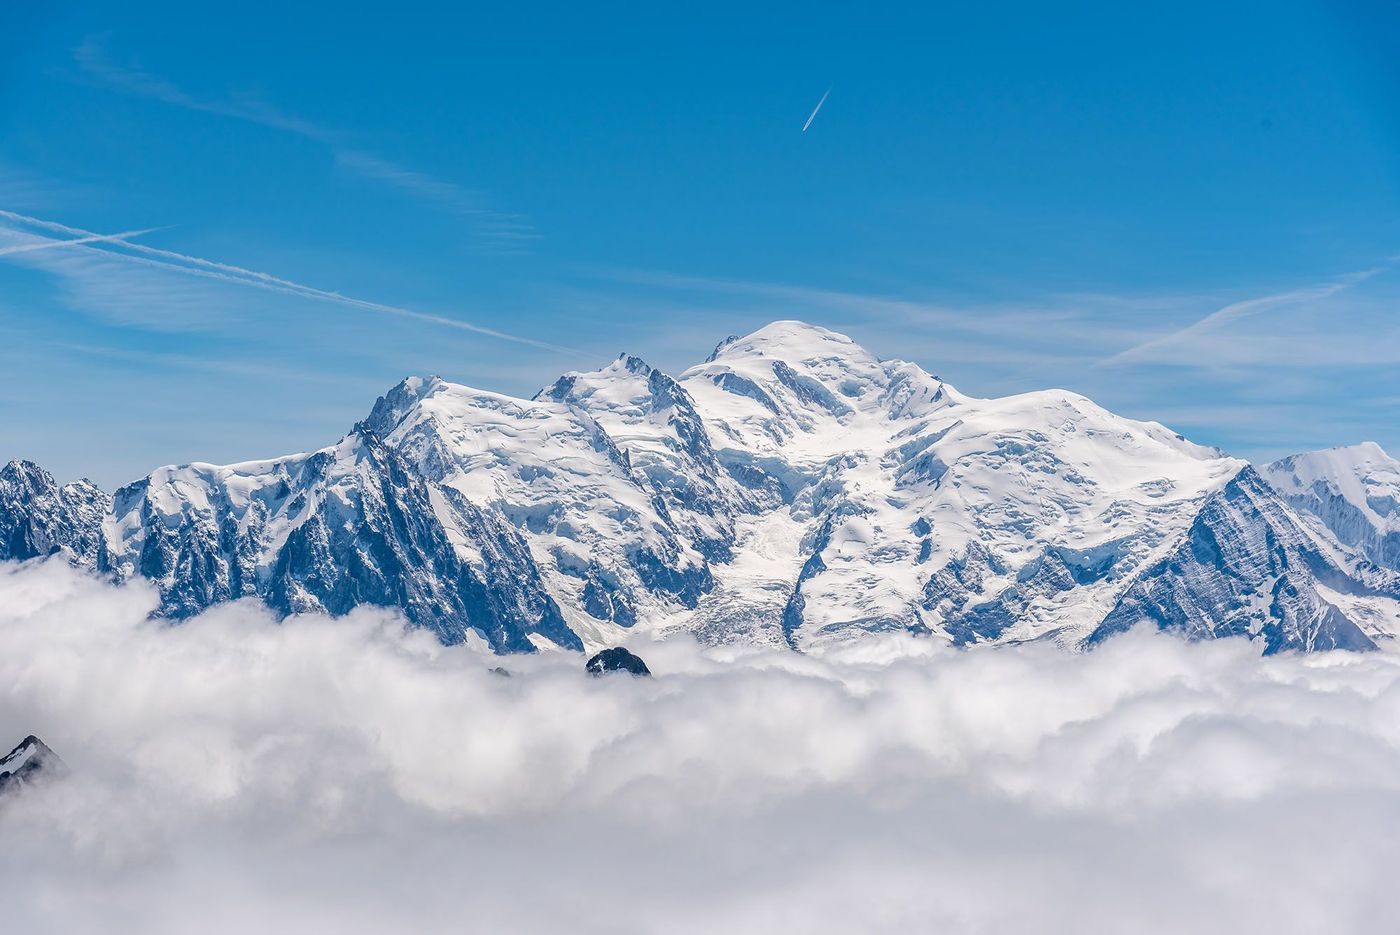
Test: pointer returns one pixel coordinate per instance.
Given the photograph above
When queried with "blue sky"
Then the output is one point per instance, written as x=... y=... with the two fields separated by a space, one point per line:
x=1189 y=213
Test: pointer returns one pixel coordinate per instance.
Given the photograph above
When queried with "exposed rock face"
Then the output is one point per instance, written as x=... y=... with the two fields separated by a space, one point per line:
x=792 y=490
x=346 y=526
x=600 y=529
x=616 y=659
x=38 y=517
x=1246 y=567
x=30 y=762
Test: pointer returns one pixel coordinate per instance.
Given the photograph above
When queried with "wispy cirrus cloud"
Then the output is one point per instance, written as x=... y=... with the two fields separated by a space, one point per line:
x=495 y=232
x=98 y=251
x=91 y=57
x=500 y=233
x=1186 y=341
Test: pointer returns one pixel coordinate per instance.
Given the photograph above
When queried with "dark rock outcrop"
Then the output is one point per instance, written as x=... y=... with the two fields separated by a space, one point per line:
x=38 y=517
x=29 y=762
x=616 y=659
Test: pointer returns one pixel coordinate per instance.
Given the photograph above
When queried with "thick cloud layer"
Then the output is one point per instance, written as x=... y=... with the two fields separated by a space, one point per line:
x=234 y=774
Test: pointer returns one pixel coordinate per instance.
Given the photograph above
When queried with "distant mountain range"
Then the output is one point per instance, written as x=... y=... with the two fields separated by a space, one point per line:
x=792 y=489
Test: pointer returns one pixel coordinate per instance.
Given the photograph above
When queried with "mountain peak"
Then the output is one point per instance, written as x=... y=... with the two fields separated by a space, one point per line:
x=614 y=379
x=1354 y=490
x=1365 y=451
x=632 y=364
x=390 y=408
x=791 y=340
x=19 y=468
x=1361 y=457
x=27 y=761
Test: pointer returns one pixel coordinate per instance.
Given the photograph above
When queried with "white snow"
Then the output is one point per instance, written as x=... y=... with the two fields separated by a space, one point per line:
x=15 y=759
x=1363 y=475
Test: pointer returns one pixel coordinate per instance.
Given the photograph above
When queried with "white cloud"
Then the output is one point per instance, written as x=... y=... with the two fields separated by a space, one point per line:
x=233 y=774
x=499 y=233
x=1201 y=337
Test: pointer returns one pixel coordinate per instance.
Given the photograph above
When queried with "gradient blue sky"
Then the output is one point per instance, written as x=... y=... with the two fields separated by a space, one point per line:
x=1189 y=212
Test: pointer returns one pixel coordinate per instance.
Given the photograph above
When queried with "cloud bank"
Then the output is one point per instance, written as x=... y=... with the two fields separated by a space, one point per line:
x=235 y=774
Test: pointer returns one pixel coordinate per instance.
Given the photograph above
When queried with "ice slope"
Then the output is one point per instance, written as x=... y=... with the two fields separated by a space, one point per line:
x=1353 y=492
x=653 y=421
x=911 y=505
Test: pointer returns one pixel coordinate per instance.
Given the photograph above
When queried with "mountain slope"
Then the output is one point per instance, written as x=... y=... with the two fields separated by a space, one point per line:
x=1353 y=492
x=915 y=506
x=347 y=525
x=598 y=528
x=38 y=517
x=653 y=420
x=1247 y=566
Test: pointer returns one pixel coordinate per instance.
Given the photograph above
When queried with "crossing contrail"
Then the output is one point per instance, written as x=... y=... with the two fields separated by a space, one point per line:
x=814 y=111
x=93 y=238
x=225 y=272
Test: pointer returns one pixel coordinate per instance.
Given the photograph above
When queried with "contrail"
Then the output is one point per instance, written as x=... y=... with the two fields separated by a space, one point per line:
x=225 y=272
x=1248 y=307
x=814 y=111
x=94 y=238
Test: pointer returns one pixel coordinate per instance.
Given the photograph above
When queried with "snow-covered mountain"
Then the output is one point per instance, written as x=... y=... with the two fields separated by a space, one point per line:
x=30 y=761
x=351 y=524
x=1354 y=492
x=1250 y=565
x=792 y=489
x=38 y=517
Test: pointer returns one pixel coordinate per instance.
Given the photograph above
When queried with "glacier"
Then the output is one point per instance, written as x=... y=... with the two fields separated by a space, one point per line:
x=790 y=490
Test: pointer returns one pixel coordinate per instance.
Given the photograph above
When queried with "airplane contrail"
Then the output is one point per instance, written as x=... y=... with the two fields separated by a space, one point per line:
x=1248 y=307
x=814 y=111
x=225 y=272
x=93 y=238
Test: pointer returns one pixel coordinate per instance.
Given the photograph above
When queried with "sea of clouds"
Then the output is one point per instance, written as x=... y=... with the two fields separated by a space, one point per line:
x=236 y=774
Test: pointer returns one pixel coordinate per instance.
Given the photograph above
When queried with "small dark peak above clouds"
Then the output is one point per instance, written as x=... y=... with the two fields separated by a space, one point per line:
x=616 y=659
x=30 y=761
